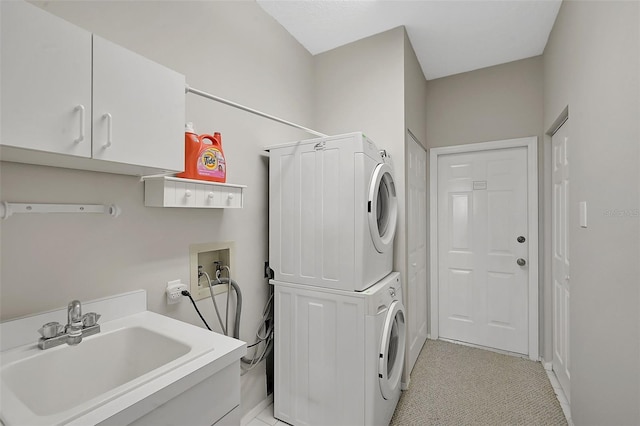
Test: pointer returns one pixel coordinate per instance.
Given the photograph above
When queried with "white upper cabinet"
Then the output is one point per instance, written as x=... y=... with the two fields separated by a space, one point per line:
x=138 y=109
x=73 y=99
x=45 y=81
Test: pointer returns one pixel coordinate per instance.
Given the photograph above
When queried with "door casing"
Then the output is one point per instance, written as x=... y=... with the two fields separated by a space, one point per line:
x=560 y=267
x=531 y=143
x=416 y=289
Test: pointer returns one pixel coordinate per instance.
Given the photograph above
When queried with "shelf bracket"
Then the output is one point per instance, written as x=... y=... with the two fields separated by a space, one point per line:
x=9 y=209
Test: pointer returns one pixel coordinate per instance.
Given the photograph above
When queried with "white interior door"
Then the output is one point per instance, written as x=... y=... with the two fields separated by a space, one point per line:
x=483 y=277
x=560 y=256
x=417 y=251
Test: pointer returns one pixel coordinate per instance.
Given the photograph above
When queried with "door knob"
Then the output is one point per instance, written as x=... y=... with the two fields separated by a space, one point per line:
x=521 y=262
x=521 y=239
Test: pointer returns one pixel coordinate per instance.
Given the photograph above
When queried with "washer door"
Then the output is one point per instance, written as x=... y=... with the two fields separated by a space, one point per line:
x=392 y=350
x=383 y=208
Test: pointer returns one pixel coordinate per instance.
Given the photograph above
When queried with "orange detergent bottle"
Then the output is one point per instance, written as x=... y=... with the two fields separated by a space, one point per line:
x=203 y=157
x=211 y=162
x=191 y=150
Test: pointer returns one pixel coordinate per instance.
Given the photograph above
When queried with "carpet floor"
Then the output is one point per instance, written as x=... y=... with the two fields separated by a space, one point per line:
x=458 y=385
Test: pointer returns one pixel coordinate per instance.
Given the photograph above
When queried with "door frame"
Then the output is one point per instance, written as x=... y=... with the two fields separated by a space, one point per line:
x=531 y=143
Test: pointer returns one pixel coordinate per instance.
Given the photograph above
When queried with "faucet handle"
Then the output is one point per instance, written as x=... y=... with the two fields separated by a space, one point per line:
x=51 y=329
x=90 y=319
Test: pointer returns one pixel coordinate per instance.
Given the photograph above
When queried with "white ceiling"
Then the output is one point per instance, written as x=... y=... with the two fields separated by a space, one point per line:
x=449 y=36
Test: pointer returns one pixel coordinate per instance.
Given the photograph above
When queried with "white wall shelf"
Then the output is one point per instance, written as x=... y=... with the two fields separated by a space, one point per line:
x=165 y=191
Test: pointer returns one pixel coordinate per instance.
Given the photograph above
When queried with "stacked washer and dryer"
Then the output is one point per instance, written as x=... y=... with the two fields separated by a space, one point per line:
x=339 y=319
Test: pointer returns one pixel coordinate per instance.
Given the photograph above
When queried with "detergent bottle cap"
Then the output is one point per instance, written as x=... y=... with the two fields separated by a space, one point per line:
x=188 y=127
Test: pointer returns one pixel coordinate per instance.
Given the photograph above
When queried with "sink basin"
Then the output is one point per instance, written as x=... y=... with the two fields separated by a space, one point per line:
x=132 y=358
x=131 y=352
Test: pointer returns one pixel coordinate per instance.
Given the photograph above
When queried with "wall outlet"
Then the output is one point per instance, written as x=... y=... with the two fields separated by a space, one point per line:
x=174 y=291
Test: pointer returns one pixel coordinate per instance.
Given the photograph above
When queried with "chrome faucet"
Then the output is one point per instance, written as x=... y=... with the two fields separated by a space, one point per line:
x=78 y=326
x=74 y=323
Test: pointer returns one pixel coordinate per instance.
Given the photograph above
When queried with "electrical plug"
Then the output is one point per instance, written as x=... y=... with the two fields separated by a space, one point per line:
x=174 y=291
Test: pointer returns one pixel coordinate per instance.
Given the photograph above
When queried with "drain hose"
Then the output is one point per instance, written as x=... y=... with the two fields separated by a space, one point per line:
x=267 y=322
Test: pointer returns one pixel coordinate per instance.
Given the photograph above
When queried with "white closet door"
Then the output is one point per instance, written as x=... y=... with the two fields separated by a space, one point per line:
x=560 y=257
x=416 y=300
x=482 y=212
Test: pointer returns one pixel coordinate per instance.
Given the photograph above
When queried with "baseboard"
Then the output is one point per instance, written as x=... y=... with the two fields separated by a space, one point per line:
x=560 y=395
x=486 y=348
x=548 y=365
x=246 y=419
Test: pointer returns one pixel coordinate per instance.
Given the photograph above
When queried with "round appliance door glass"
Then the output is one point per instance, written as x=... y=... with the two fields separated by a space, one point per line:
x=394 y=335
x=383 y=208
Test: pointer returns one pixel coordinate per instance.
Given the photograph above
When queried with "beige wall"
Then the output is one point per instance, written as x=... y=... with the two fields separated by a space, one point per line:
x=415 y=94
x=360 y=87
x=591 y=66
x=500 y=102
x=232 y=49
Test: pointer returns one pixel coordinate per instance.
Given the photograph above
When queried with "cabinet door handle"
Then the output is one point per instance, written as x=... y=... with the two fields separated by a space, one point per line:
x=81 y=137
x=107 y=116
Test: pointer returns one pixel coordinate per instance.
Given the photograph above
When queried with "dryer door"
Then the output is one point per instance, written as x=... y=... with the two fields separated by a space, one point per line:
x=392 y=350
x=383 y=208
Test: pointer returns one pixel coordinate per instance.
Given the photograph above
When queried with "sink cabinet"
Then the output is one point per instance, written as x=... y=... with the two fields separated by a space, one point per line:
x=190 y=401
x=141 y=369
x=73 y=99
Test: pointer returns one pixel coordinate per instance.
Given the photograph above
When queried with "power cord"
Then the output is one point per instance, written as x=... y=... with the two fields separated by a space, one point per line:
x=264 y=334
x=186 y=293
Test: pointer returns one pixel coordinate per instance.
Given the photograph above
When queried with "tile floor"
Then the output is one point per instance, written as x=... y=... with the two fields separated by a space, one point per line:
x=266 y=418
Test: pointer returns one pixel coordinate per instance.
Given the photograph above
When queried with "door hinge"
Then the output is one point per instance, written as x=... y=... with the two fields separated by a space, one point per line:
x=268 y=272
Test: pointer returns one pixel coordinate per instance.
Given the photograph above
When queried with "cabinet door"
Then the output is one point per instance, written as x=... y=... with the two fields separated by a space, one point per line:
x=138 y=109
x=45 y=81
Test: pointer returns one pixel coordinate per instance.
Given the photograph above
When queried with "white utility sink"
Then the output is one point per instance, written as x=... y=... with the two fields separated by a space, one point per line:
x=131 y=359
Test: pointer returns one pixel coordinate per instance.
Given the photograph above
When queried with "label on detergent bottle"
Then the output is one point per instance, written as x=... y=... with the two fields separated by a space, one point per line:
x=211 y=163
